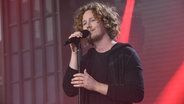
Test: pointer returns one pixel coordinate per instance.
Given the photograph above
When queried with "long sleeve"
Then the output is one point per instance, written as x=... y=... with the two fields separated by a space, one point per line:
x=67 y=86
x=131 y=87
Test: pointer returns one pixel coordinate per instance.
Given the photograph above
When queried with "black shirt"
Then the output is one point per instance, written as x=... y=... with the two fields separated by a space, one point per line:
x=119 y=67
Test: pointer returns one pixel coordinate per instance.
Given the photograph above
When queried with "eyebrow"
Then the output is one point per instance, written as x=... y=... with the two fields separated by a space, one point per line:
x=83 y=20
x=89 y=18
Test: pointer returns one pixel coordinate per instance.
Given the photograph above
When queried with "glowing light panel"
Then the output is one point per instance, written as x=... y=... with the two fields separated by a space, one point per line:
x=126 y=22
x=174 y=90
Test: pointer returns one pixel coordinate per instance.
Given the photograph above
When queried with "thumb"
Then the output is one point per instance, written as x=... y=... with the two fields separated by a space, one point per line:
x=85 y=72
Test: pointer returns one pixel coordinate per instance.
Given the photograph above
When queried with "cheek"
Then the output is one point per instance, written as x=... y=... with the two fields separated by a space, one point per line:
x=84 y=27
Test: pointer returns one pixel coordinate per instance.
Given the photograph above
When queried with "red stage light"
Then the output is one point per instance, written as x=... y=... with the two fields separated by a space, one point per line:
x=126 y=22
x=174 y=90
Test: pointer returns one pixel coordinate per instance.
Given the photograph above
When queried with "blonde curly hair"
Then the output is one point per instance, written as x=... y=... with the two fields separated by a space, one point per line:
x=103 y=13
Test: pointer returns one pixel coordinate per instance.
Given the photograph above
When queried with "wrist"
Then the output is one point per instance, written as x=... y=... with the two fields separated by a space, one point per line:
x=74 y=52
x=101 y=88
x=73 y=60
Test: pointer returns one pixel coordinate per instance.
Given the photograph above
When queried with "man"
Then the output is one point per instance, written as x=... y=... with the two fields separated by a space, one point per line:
x=111 y=71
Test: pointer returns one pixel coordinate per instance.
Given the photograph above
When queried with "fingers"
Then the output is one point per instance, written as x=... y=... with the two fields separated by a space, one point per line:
x=78 y=80
x=77 y=83
x=82 y=80
x=76 y=34
x=73 y=46
x=79 y=75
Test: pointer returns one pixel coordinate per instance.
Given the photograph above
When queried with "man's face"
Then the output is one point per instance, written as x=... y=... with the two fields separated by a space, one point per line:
x=93 y=25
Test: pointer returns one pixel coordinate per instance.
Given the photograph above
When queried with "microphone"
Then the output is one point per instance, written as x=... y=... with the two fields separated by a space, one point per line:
x=85 y=33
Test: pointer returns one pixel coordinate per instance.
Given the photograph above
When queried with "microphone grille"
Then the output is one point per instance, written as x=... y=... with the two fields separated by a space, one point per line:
x=85 y=33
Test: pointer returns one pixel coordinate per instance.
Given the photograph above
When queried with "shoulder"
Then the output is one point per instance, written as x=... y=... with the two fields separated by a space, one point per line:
x=127 y=52
x=123 y=48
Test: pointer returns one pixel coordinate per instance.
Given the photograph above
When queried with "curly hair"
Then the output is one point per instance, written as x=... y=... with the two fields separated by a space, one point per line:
x=103 y=13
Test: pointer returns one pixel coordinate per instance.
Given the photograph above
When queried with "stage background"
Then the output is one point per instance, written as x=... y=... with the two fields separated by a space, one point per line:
x=35 y=60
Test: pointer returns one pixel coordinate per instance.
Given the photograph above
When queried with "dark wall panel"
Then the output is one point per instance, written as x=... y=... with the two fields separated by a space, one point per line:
x=163 y=45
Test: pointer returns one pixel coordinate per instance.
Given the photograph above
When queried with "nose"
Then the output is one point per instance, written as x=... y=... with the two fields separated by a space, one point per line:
x=88 y=25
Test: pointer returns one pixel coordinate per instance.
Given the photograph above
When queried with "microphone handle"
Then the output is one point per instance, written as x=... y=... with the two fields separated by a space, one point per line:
x=75 y=40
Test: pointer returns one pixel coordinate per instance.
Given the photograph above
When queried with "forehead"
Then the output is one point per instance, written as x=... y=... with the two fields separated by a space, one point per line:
x=88 y=14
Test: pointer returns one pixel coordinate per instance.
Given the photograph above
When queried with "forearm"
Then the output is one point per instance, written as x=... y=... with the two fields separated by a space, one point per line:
x=67 y=86
x=101 y=88
x=73 y=60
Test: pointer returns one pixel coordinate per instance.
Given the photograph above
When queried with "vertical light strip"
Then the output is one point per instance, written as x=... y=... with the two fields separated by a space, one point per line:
x=126 y=22
x=174 y=90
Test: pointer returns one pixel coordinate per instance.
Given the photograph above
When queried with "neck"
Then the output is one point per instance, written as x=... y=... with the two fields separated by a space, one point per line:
x=104 y=45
